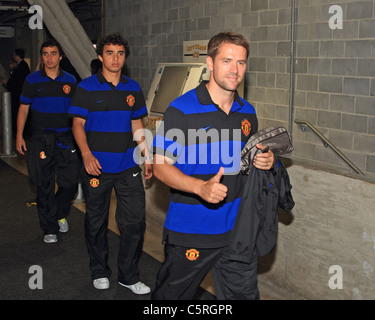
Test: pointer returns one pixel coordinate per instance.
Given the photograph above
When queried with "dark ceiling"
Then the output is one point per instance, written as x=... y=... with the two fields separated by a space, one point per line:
x=14 y=12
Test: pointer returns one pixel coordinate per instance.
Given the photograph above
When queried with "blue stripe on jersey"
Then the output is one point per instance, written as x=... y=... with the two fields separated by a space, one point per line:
x=140 y=113
x=131 y=85
x=51 y=104
x=37 y=77
x=199 y=219
x=25 y=100
x=168 y=145
x=104 y=121
x=59 y=130
x=92 y=84
x=210 y=157
x=189 y=104
x=116 y=162
x=74 y=110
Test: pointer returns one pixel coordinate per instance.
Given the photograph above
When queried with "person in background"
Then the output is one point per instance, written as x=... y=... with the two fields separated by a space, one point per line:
x=15 y=83
x=107 y=109
x=51 y=152
x=95 y=66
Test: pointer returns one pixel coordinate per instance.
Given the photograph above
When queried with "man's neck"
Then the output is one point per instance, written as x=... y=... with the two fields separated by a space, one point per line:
x=223 y=98
x=112 y=77
x=52 y=73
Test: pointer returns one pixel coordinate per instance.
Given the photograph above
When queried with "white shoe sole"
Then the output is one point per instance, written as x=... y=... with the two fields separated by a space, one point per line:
x=50 y=240
x=101 y=285
x=134 y=291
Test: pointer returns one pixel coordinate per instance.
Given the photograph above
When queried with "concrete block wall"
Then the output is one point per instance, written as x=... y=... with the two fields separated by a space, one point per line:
x=334 y=68
x=332 y=223
x=335 y=88
x=325 y=248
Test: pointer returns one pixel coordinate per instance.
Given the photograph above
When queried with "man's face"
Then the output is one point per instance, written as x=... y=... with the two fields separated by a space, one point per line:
x=113 y=58
x=229 y=67
x=51 y=57
x=16 y=58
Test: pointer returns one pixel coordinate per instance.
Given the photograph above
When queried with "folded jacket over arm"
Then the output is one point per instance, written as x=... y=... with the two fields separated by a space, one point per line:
x=256 y=227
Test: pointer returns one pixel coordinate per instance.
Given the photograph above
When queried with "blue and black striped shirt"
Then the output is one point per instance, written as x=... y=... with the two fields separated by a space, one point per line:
x=49 y=100
x=201 y=138
x=108 y=111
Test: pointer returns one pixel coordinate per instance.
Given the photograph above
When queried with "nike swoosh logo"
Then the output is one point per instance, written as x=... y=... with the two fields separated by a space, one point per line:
x=99 y=101
x=205 y=129
x=135 y=174
x=73 y=151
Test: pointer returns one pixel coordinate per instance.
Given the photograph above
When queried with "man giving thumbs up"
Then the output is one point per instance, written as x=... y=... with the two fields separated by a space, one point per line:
x=205 y=187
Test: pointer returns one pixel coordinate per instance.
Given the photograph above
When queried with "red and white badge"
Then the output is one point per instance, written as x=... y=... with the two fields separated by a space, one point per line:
x=130 y=100
x=192 y=254
x=246 y=127
x=67 y=89
x=94 y=183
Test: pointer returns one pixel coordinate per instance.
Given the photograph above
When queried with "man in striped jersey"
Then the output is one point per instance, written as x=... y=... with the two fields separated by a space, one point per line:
x=107 y=109
x=202 y=169
x=51 y=151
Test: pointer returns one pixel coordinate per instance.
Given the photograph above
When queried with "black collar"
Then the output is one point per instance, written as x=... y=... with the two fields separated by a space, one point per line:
x=44 y=74
x=103 y=80
x=205 y=98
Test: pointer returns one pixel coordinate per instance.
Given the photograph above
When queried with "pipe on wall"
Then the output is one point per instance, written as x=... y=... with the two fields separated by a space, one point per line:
x=6 y=112
x=292 y=65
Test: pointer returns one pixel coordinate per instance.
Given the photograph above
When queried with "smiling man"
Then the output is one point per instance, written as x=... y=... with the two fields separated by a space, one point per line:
x=107 y=109
x=51 y=151
x=205 y=197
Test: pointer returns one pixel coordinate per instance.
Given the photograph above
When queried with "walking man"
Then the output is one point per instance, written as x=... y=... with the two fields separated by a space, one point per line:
x=205 y=185
x=52 y=155
x=108 y=108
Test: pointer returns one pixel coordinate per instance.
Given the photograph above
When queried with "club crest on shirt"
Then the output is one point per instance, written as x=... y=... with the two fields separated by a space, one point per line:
x=246 y=127
x=94 y=183
x=130 y=100
x=42 y=155
x=67 y=89
x=192 y=254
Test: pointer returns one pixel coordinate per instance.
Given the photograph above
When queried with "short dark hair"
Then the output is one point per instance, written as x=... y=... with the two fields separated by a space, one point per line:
x=95 y=66
x=113 y=39
x=226 y=37
x=20 y=53
x=51 y=43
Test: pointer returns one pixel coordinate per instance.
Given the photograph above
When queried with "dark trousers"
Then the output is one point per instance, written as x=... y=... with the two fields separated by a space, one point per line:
x=53 y=164
x=180 y=277
x=130 y=218
x=53 y=207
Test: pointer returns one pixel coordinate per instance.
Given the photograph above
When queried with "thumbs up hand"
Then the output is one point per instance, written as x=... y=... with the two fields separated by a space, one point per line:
x=212 y=190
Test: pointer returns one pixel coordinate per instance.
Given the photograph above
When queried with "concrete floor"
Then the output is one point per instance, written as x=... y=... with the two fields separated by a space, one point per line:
x=153 y=236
